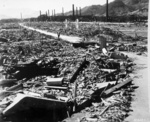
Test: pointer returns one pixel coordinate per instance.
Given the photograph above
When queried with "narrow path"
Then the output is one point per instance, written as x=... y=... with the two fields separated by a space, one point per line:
x=71 y=39
x=140 y=104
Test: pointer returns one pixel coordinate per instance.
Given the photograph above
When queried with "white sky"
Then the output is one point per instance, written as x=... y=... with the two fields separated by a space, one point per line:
x=44 y=5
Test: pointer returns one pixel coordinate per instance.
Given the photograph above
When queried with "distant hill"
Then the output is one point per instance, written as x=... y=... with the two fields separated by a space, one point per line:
x=140 y=7
x=117 y=8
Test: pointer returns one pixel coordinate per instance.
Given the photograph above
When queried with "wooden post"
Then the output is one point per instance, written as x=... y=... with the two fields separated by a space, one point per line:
x=77 y=24
x=66 y=23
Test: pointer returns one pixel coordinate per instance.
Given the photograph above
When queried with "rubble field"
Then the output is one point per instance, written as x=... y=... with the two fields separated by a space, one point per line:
x=49 y=79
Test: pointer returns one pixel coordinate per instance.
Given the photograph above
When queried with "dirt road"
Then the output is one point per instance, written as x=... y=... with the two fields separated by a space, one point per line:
x=72 y=39
x=140 y=104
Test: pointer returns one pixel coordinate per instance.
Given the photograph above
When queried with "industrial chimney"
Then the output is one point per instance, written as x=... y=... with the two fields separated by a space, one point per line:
x=107 y=10
x=73 y=10
x=54 y=12
x=80 y=11
x=48 y=12
x=40 y=13
x=62 y=11
x=76 y=11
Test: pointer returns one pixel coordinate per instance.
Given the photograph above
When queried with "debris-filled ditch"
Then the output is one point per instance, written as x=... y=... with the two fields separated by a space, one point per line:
x=44 y=79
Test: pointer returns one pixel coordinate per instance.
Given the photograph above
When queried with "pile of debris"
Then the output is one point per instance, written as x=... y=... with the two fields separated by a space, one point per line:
x=60 y=76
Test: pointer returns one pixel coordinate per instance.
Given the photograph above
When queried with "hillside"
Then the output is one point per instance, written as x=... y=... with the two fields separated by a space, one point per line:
x=117 y=8
x=92 y=10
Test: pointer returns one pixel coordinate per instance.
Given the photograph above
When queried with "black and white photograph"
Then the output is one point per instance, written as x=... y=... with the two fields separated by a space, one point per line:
x=74 y=61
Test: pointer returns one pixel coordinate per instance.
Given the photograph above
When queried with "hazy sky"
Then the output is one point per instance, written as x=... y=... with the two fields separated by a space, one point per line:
x=13 y=7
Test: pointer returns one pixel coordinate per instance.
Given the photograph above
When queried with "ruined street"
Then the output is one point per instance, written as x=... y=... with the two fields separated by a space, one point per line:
x=50 y=72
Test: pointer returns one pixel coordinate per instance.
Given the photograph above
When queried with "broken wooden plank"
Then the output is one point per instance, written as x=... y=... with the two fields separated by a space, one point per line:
x=117 y=55
x=104 y=110
x=108 y=70
x=84 y=44
x=107 y=92
x=105 y=84
x=83 y=64
x=75 y=95
x=10 y=90
x=56 y=87
x=7 y=81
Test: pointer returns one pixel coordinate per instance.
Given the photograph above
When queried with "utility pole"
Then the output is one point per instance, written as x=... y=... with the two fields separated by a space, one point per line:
x=107 y=10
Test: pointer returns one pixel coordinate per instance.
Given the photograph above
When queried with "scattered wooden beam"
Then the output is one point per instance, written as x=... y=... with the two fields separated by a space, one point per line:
x=10 y=90
x=105 y=84
x=104 y=110
x=78 y=70
x=7 y=81
x=107 y=92
x=108 y=70
x=16 y=87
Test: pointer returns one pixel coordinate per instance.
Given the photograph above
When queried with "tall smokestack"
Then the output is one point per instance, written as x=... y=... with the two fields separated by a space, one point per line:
x=21 y=16
x=76 y=11
x=80 y=11
x=73 y=10
x=107 y=10
x=48 y=12
x=40 y=13
x=54 y=12
x=62 y=11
